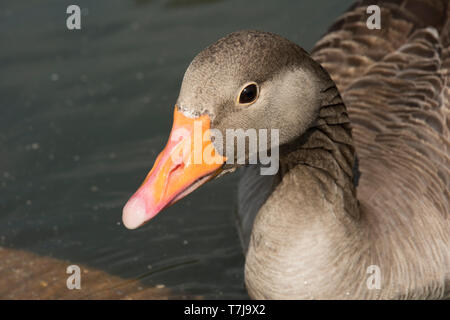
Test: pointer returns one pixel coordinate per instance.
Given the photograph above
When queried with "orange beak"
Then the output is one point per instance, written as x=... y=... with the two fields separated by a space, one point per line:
x=188 y=161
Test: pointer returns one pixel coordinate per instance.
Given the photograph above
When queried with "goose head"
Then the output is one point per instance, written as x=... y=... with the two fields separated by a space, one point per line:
x=247 y=80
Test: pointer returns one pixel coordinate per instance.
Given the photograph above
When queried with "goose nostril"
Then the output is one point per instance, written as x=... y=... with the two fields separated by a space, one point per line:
x=177 y=166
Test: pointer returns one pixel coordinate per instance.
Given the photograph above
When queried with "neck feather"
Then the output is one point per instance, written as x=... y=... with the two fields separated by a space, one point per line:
x=327 y=148
x=308 y=233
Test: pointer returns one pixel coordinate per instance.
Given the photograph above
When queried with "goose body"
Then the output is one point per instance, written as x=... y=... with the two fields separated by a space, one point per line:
x=364 y=168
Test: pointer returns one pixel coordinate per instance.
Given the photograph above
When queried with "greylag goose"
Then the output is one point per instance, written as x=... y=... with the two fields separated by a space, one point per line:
x=362 y=188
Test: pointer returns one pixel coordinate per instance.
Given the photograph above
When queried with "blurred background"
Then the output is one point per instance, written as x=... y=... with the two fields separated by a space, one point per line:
x=83 y=115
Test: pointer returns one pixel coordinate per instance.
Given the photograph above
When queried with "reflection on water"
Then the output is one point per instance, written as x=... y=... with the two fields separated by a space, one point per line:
x=83 y=115
x=143 y=2
x=178 y=3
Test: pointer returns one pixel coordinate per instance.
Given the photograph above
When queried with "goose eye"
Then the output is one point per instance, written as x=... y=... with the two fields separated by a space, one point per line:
x=248 y=94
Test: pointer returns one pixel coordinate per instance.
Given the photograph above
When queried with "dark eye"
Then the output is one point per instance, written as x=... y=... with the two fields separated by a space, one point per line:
x=248 y=94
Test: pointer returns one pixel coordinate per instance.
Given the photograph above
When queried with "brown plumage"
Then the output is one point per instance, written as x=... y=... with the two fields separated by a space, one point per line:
x=395 y=85
x=364 y=166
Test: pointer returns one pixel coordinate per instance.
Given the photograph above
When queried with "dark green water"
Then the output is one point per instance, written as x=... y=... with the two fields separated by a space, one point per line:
x=83 y=115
